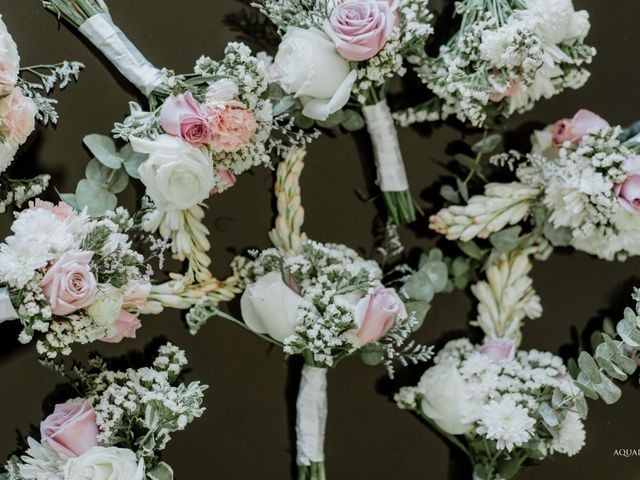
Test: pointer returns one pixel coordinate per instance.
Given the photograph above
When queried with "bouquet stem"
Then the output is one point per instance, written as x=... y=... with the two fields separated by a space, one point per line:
x=391 y=173
x=311 y=423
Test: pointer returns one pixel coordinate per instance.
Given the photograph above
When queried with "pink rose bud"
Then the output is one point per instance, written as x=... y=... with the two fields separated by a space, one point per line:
x=227 y=180
x=182 y=116
x=71 y=429
x=376 y=313
x=628 y=191
x=499 y=349
x=231 y=126
x=69 y=284
x=62 y=211
x=126 y=327
x=572 y=130
x=360 y=29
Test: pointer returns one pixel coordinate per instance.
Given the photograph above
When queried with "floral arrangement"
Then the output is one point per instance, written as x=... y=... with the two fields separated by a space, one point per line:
x=334 y=52
x=506 y=55
x=577 y=187
x=119 y=425
x=23 y=100
x=324 y=304
x=503 y=408
x=73 y=278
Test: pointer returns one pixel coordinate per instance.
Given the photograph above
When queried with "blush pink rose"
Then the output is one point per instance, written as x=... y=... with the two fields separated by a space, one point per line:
x=69 y=284
x=628 y=191
x=572 y=130
x=71 y=429
x=182 y=116
x=376 y=313
x=499 y=349
x=62 y=211
x=227 y=180
x=17 y=117
x=126 y=327
x=360 y=29
x=231 y=126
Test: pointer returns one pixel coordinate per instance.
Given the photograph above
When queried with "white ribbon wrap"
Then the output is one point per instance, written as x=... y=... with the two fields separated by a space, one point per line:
x=312 y=415
x=114 y=44
x=391 y=173
x=7 y=312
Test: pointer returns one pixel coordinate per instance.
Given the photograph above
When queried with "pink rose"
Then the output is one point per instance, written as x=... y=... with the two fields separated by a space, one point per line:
x=17 y=117
x=629 y=190
x=360 y=29
x=499 y=349
x=227 y=180
x=182 y=116
x=9 y=61
x=62 y=211
x=69 y=283
x=572 y=130
x=376 y=313
x=231 y=126
x=71 y=429
x=126 y=327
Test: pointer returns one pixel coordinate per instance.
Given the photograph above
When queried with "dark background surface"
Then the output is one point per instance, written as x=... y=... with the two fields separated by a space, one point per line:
x=245 y=432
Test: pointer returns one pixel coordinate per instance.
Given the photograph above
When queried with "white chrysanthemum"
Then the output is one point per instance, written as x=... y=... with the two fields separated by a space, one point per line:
x=19 y=261
x=571 y=435
x=507 y=423
x=41 y=462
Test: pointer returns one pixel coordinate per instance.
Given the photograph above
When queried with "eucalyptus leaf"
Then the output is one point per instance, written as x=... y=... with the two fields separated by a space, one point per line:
x=103 y=148
x=437 y=273
x=450 y=195
x=95 y=197
x=509 y=468
x=353 y=121
x=548 y=415
x=608 y=390
x=284 y=105
x=372 y=354
x=589 y=367
x=162 y=471
x=463 y=190
x=302 y=121
x=132 y=160
x=419 y=287
x=467 y=162
x=506 y=240
x=69 y=199
x=118 y=182
x=471 y=249
x=487 y=144
x=332 y=120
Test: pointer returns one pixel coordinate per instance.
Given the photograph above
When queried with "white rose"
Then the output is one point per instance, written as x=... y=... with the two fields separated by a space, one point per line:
x=270 y=306
x=106 y=307
x=446 y=399
x=102 y=463
x=9 y=61
x=579 y=27
x=223 y=90
x=177 y=175
x=308 y=65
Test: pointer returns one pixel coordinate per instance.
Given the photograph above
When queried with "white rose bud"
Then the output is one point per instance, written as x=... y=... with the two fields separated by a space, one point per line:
x=223 y=90
x=270 y=306
x=106 y=307
x=102 y=463
x=177 y=175
x=308 y=65
x=447 y=399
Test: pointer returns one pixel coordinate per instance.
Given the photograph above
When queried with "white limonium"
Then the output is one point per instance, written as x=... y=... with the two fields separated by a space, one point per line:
x=499 y=404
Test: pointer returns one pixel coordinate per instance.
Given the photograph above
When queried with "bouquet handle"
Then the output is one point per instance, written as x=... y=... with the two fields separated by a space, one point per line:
x=391 y=173
x=114 y=44
x=311 y=423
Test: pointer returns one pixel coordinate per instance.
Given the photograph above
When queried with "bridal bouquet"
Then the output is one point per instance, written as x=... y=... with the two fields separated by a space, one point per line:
x=503 y=408
x=118 y=426
x=506 y=55
x=200 y=131
x=325 y=304
x=23 y=100
x=578 y=186
x=71 y=277
x=333 y=52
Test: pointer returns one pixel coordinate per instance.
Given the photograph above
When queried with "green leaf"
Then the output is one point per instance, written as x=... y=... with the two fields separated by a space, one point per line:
x=608 y=390
x=509 y=468
x=103 y=149
x=284 y=105
x=587 y=386
x=113 y=180
x=628 y=330
x=372 y=354
x=132 y=160
x=70 y=199
x=162 y=471
x=506 y=240
x=467 y=162
x=460 y=266
x=548 y=415
x=332 y=120
x=463 y=190
x=95 y=197
x=353 y=121
x=589 y=367
x=449 y=194
x=302 y=121
x=628 y=365
x=118 y=181
x=487 y=144
x=471 y=249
